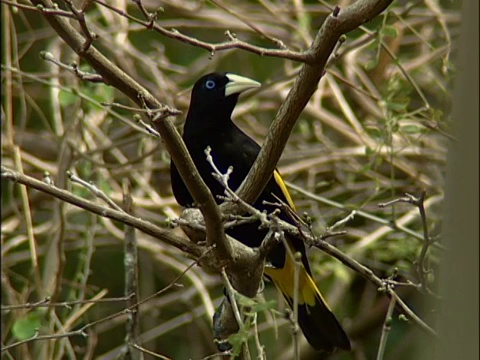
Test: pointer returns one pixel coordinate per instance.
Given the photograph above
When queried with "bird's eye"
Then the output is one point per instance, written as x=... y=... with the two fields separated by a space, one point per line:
x=210 y=84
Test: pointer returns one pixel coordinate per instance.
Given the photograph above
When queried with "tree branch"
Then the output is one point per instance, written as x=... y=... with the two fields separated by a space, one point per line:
x=121 y=216
x=114 y=76
x=335 y=25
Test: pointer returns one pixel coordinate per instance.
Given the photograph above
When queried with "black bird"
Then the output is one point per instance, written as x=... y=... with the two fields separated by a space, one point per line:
x=209 y=124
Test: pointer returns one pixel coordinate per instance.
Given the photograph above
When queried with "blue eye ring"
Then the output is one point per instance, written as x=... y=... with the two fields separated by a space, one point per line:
x=210 y=84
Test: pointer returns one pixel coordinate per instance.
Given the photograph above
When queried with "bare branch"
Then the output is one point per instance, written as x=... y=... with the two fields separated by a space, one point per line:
x=131 y=277
x=233 y=42
x=114 y=76
x=420 y=266
x=335 y=25
x=144 y=226
x=386 y=329
x=94 y=190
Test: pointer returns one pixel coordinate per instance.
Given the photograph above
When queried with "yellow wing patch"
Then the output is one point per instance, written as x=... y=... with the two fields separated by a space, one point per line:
x=283 y=277
x=308 y=292
x=283 y=187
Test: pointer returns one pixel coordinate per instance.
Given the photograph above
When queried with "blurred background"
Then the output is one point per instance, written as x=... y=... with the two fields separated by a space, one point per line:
x=377 y=127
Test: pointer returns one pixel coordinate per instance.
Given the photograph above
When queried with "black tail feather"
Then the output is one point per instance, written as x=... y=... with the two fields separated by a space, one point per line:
x=321 y=328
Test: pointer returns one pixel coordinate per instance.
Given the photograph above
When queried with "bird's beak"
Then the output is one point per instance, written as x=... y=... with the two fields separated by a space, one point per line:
x=238 y=84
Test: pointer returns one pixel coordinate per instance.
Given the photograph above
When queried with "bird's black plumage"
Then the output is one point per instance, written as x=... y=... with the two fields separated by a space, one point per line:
x=209 y=124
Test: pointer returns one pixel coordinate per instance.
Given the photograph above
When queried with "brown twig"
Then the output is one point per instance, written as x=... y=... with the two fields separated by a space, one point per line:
x=369 y=275
x=45 y=11
x=80 y=16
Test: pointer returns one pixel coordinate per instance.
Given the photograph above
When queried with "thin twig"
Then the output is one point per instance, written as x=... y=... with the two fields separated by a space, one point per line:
x=234 y=43
x=231 y=296
x=94 y=190
x=66 y=304
x=251 y=25
x=82 y=330
x=236 y=311
x=73 y=68
x=387 y=325
x=260 y=348
x=43 y=10
x=148 y=352
x=420 y=265
x=343 y=221
x=361 y=213
x=131 y=277
x=142 y=225
x=80 y=16
x=381 y=284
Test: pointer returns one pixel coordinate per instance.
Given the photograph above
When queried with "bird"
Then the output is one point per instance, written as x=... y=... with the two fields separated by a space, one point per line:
x=209 y=124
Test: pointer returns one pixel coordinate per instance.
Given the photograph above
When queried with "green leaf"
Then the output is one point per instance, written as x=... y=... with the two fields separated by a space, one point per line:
x=27 y=326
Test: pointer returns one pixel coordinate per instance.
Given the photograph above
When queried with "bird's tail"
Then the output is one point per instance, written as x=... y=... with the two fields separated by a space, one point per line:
x=319 y=325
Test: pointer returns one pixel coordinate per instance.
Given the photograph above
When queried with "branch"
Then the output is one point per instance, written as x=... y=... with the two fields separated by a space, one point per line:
x=233 y=42
x=383 y=285
x=420 y=263
x=131 y=276
x=278 y=225
x=82 y=330
x=387 y=325
x=335 y=25
x=142 y=225
x=114 y=76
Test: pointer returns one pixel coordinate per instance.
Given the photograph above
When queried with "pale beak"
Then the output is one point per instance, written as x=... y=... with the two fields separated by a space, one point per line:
x=238 y=84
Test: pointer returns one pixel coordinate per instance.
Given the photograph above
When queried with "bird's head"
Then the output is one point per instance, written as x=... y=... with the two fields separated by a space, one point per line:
x=216 y=94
